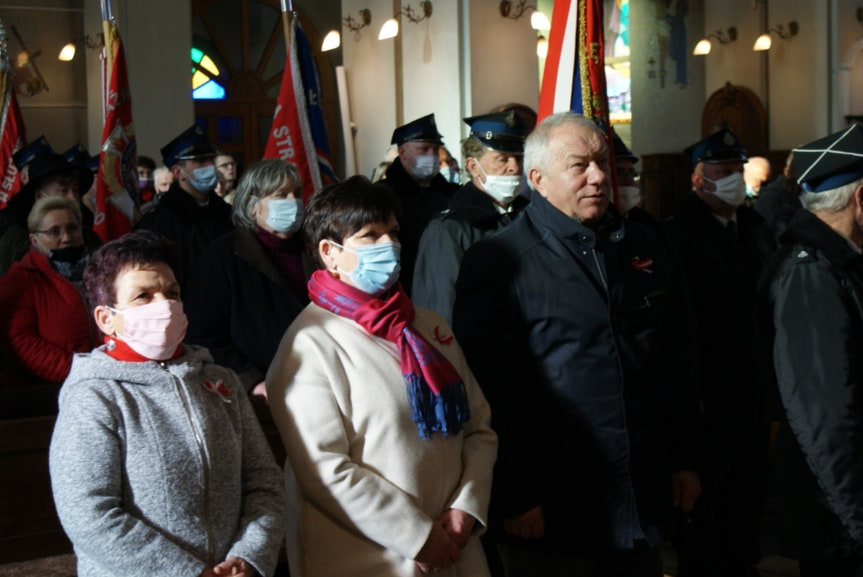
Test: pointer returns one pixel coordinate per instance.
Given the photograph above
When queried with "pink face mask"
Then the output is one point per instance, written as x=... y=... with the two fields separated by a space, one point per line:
x=154 y=330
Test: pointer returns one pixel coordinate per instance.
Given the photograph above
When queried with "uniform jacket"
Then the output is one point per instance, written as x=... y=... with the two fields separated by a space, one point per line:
x=812 y=307
x=722 y=272
x=580 y=341
x=418 y=206
x=471 y=215
x=363 y=487
x=239 y=305
x=162 y=468
x=44 y=320
x=180 y=218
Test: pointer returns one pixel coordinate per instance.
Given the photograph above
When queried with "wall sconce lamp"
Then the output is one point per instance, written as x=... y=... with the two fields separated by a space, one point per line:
x=764 y=42
x=703 y=47
x=333 y=39
x=390 y=29
x=541 y=46
x=67 y=53
x=538 y=20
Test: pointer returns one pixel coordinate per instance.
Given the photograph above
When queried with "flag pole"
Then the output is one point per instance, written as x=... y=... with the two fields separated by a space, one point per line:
x=287 y=10
x=107 y=34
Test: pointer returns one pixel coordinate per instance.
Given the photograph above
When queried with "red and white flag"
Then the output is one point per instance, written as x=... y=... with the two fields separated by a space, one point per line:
x=117 y=182
x=291 y=136
x=574 y=76
x=11 y=127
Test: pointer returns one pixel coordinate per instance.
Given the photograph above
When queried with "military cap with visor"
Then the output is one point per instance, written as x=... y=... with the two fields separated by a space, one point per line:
x=717 y=148
x=420 y=130
x=499 y=131
x=830 y=162
x=190 y=144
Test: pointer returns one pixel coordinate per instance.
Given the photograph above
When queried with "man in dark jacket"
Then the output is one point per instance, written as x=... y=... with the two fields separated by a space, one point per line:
x=415 y=180
x=812 y=305
x=190 y=213
x=574 y=322
x=493 y=154
x=724 y=246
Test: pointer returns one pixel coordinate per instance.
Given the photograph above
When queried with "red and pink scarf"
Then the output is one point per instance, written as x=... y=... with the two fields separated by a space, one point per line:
x=435 y=390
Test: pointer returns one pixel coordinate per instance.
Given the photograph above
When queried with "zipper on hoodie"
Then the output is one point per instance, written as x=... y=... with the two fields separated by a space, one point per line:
x=205 y=470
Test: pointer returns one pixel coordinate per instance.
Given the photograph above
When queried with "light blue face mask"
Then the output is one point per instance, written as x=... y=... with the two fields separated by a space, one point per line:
x=377 y=266
x=204 y=179
x=284 y=215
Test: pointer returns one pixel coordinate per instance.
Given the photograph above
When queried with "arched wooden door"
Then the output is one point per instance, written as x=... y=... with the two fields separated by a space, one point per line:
x=244 y=40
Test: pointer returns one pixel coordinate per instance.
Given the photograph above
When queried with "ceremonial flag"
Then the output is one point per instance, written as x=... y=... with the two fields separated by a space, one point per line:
x=574 y=76
x=298 y=134
x=11 y=126
x=117 y=183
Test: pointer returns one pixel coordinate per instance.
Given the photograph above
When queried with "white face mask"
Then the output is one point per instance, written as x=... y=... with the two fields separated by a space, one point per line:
x=629 y=196
x=730 y=189
x=503 y=189
x=427 y=165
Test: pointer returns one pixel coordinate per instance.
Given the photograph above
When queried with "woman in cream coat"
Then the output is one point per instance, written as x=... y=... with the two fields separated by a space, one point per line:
x=388 y=435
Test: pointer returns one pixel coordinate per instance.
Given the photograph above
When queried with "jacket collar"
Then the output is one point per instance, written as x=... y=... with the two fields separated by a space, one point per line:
x=611 y=226
x=181 y=202
x=807 y=229
x=248 y=248
x=473 y=201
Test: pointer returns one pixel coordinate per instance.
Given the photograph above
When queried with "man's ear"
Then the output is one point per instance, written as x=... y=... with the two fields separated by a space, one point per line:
x=470 y=165
x=537 y=179
x=104 y=319
x=858 y=198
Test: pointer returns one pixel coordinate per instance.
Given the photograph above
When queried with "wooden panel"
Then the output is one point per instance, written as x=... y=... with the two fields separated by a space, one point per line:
x=29 y=527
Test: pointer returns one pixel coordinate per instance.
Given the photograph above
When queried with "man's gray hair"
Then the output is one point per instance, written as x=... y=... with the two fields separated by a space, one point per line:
x=833 y=200
x=260 y=180
x=536 y=152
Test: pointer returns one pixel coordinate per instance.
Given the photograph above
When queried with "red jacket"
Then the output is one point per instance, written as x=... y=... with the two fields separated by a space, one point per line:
x=44 y=319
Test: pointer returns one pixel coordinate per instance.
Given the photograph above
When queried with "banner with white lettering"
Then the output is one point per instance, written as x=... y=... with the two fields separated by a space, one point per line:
x=11 y=127
x=298 y=135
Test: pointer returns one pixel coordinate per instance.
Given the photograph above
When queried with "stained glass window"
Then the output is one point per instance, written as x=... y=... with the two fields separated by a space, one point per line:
x=204 y=75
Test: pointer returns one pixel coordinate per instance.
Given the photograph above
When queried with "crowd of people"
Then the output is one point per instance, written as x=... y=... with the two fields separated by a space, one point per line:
x=509 y=377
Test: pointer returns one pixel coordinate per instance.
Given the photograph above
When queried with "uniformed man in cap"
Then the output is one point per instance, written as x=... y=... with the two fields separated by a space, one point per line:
x=415 y=180
x=493 y=154
x=812 y=305
x=724 y=247
x=190 y=213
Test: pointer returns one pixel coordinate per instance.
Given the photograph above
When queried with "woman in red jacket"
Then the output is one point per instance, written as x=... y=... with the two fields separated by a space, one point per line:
x=44 y=317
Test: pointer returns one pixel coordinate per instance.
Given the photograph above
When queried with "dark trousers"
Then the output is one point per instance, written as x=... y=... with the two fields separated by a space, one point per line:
x=642 y=561
x=720 y=536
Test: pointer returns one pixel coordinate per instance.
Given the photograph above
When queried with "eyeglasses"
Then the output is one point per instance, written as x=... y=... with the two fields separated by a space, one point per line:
x=56 y=232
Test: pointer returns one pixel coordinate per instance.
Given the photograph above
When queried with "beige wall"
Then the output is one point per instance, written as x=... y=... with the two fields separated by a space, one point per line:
x=157 y=36
x=45 y=26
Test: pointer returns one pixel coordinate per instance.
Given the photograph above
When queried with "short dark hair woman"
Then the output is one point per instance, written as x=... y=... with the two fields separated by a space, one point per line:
x=390 y=449
x=158 y=464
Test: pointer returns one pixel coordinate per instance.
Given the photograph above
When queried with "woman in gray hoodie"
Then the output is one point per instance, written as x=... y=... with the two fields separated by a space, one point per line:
x=158 y=463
